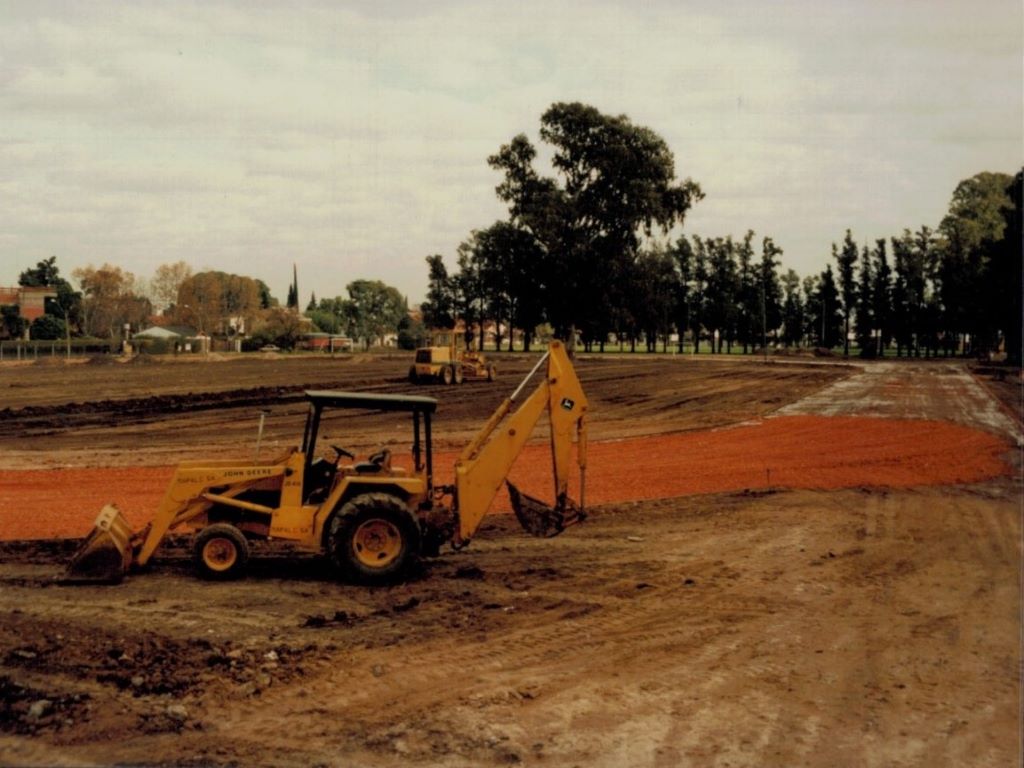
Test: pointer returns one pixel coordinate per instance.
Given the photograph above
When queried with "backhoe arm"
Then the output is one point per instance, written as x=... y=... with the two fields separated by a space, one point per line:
x=485 y=463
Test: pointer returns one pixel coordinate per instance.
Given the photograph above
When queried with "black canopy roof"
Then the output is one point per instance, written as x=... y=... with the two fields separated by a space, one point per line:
x=370 y=401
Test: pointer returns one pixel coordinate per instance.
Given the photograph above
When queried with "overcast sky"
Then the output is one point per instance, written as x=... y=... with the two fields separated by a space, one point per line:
x=352 y=138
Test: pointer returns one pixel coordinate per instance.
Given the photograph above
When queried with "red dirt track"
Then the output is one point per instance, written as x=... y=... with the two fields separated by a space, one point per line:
x=808 y=452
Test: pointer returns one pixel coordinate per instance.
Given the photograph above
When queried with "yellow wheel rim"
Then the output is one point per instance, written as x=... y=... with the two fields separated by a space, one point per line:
x=377 y=543
x=219 y=554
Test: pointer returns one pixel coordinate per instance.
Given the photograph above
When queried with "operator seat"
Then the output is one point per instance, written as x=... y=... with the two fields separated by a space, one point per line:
x=377 y=462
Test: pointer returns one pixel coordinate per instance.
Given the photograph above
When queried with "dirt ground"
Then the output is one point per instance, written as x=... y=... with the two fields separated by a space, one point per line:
x=788 y=564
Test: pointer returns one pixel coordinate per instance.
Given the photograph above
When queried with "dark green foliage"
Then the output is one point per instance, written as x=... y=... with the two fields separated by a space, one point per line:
x=748 y=297
x=292 y=302
x=721 y=311
x=865 y=309
x=770 y=289
x=266 y=300
x=373 y=309
x=975 y=239
x=614 y=181
x=47 y=328
x=654 y=292
x=793 y=310
x=43 y=273
x=1005 y=260
x=439 y=308
x=410 y=333
x=882 y=296
x=13 y=323
x=685 y=288
x=824 y=311
x=846 y=259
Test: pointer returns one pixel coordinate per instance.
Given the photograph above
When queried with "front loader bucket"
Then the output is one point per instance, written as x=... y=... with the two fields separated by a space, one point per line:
x=106 y=553
x=538 y=519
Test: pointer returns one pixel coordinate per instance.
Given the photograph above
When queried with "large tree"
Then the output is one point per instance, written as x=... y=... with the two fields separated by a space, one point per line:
x=439 y=308
x=1005 y=270
x=166 y=281
x=111 y=300
x=615 y=180
x=686 y=287
x=509 y=263
x=976 y=221
x=793 y=310
x=824 y=312
x=375 y=309
x=723 y=286
x=748 y=297
x=470 y=293
x=654 y=295
x=699 y=297
x=218 y=302
x=770 y=289
x=865 y=310
x=882 y=295
x=846 y=260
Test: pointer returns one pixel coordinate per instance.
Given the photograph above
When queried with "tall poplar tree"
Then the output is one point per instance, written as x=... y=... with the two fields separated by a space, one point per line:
x=846 y=260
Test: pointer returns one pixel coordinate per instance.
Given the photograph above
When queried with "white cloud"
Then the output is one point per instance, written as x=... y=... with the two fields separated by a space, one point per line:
x=353 y=140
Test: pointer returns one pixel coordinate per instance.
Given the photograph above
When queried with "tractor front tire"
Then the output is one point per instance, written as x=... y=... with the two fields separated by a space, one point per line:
x=220 y=552
x=372 y=539
x=457 y=375
x=447 y=376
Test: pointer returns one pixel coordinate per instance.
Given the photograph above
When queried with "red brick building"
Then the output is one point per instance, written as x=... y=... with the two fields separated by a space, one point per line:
x=30 y=300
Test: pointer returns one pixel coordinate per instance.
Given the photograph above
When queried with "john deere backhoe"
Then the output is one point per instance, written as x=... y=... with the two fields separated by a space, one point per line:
x=371 y=518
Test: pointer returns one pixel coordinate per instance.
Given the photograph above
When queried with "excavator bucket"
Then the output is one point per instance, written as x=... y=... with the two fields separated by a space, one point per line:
x=106 y=553
x=538 y=519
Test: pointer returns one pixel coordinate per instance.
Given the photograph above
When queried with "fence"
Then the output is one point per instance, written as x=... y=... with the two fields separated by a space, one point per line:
x=33 y=350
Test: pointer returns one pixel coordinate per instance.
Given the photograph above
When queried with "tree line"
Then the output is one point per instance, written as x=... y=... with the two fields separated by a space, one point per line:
x=211 y=302
x=592 y=250
x=587 y=251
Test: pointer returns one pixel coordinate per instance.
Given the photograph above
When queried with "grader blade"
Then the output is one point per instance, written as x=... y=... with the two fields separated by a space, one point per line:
x=106 y=553
x=538 y=519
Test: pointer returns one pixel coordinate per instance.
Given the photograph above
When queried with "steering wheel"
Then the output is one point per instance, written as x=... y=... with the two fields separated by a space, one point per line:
x=341 y=452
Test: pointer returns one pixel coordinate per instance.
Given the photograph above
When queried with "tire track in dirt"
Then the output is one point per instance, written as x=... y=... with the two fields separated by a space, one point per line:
x=932 y=390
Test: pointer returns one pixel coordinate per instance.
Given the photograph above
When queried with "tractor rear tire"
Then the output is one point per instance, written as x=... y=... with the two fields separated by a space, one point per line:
x=372 y=539
x=457 y=375
x=220 y=552
x=447 y=376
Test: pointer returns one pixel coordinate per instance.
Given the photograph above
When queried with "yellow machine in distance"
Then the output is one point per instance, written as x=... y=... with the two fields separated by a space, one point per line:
x=446 y=363
x=372 y=517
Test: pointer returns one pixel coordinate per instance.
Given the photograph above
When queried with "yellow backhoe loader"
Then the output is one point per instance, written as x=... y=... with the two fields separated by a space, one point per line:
x=372 y=518
x=444 y=362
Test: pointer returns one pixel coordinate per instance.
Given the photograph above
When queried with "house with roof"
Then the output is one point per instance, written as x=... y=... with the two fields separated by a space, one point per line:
x=166 y=333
